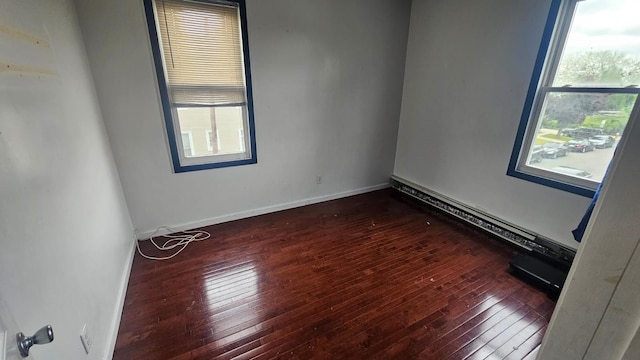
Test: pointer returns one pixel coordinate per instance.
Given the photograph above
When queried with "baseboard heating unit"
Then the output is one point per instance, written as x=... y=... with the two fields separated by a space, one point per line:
x=537 y=246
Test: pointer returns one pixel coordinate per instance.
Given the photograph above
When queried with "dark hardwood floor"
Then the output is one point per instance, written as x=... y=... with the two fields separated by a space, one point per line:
x=372 y=276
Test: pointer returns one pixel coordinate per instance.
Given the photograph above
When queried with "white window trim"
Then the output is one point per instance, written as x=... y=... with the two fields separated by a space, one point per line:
x=242 y=139
x=218 y=142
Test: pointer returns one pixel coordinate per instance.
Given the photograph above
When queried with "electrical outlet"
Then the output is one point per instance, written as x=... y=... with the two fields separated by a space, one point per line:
x=85 y=338
x=318 y=179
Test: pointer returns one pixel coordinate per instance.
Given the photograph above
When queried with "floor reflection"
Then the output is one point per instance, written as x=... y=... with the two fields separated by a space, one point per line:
x=233 y=302
x=225 y=287
x=503 y=316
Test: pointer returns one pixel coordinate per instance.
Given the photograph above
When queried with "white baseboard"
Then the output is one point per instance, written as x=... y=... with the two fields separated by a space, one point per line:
x=117 y=313
x=265 y=210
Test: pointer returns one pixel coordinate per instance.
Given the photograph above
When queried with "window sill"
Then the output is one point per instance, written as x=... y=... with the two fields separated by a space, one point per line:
x=578 y=190
x=177 y=168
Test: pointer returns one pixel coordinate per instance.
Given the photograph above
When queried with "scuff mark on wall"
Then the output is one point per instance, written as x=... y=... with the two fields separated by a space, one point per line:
x=22 y=36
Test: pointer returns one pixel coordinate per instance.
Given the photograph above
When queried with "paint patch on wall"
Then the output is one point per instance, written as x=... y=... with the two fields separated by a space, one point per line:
x=24 y=47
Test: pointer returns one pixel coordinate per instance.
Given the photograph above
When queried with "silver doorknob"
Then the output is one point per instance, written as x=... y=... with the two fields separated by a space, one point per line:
x=42 y=336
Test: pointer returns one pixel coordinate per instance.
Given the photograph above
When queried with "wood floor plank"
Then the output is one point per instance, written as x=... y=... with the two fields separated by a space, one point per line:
x=533 y=354
x=426 y=340
x=517 y=339
x=373 y=276
x=528 y=346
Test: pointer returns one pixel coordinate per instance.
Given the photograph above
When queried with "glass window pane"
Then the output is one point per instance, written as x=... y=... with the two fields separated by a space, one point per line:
x=603 y=45
x=203 y=122
x=229 y=121
x=198 y=121
x=578 y=132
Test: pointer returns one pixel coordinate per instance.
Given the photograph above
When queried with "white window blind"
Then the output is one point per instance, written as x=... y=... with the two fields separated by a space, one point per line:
x=201 y=46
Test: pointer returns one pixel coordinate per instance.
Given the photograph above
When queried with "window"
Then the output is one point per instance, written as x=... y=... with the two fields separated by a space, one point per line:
x=187 y=144
x=209 y=141
x=202 y=64
x=582 y=94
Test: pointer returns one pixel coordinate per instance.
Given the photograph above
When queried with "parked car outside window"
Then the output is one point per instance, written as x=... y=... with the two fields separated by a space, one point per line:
x=536 y=154
x=581 y=132
x=572 y=171
x=580 y=145
x=602 y=141
x=553 y=150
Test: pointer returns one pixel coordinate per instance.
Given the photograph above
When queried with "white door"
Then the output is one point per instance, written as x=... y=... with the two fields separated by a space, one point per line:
x=8 y=331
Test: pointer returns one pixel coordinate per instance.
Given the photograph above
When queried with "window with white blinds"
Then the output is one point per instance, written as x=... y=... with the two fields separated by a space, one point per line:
x=201 y=59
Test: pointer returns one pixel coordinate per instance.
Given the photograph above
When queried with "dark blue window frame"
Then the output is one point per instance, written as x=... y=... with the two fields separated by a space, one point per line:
x=545 y=44
x=166 y=103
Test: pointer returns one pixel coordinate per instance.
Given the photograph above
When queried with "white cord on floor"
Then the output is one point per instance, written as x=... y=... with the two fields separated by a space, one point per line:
x=176 y=239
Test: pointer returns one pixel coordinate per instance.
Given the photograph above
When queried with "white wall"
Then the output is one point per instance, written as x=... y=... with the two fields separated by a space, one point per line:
x=65 y=234
x=469 y=64
x=327 y=82
x=598 y=313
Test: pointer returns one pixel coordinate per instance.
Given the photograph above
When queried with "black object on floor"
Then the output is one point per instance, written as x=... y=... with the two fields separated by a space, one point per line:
x=539 y=273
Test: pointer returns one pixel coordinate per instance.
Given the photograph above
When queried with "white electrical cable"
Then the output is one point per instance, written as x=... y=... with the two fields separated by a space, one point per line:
x=176 y=239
